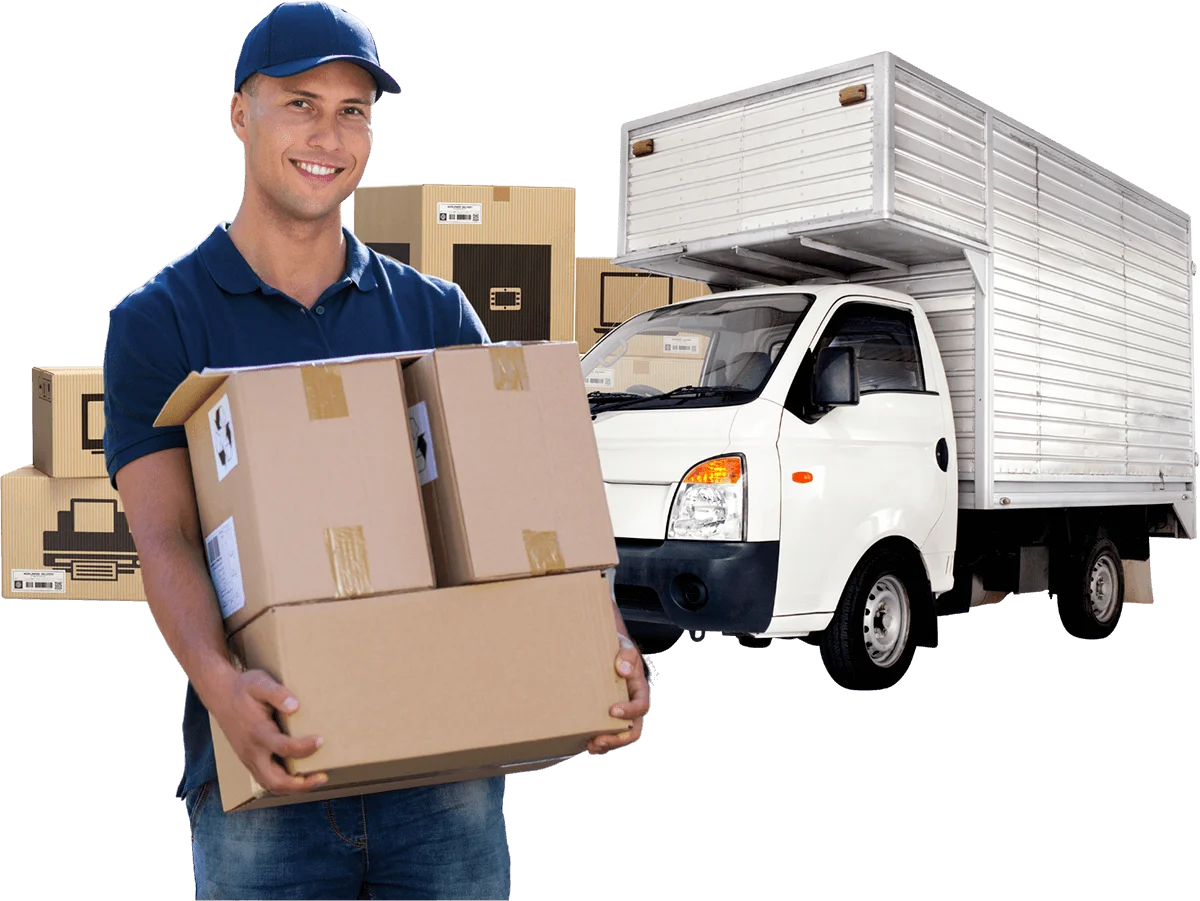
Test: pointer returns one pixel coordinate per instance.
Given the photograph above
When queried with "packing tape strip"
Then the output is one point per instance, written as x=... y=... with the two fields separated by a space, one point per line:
x=324 y=393
x=348 y=560
x=508 y=367
x=543 y=552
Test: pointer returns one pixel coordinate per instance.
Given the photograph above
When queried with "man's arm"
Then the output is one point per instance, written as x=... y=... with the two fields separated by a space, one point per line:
x=631 y=668
x=155 y=492
x=145 y=358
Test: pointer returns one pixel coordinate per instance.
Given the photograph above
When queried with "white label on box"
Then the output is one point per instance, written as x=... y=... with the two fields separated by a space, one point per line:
x=39 y=580
x=600 y=378
x=224 y=447
x=418 y=430
x=460 y=214
x=682 y=344
x=225 y=568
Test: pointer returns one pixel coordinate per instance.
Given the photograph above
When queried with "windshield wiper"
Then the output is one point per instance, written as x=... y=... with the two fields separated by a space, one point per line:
x=594 y=396
x=685 y=392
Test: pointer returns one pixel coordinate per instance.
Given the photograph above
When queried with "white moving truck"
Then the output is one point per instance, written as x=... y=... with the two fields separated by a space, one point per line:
x=946 y=359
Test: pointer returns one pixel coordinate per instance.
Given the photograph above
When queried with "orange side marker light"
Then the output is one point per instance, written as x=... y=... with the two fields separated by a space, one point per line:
x=802 y=477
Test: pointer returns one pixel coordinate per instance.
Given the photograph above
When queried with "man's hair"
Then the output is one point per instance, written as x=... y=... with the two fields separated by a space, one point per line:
x=250 y=85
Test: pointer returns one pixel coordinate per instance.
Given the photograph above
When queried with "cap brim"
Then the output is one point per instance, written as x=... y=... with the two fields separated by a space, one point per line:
x=383 y=81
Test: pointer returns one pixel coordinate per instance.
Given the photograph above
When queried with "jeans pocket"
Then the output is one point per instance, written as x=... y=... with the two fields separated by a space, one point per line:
x=193 y=801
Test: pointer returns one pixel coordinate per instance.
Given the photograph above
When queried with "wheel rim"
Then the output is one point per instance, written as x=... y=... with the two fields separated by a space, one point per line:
x=885 y=621
x=1103 y=588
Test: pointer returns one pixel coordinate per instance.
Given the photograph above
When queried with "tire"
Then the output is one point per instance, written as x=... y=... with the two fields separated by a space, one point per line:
x=1092 y=592
x=869 y=643
x=652 y=638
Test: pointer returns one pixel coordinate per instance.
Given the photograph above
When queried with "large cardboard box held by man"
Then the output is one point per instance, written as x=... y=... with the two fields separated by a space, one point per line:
x=66 y=538
x=511 y=249
x=68 y=421
x=508 y=464
x=435 y=686
x=305 y=482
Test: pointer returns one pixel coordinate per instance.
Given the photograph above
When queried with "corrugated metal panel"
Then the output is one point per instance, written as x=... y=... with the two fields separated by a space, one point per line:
x=794 y=156
x=1092 y=338
x=940 y=158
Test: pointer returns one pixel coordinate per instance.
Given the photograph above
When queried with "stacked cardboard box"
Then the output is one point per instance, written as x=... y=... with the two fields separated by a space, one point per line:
x=335 y=495
x=607 y=295
x=64 y=531
x=511 y=249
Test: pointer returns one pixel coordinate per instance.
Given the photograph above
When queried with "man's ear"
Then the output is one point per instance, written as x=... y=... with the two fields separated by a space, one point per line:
x=238 y=113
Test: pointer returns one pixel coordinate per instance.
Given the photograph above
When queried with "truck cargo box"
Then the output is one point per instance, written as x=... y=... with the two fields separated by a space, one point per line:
x=1060 y=294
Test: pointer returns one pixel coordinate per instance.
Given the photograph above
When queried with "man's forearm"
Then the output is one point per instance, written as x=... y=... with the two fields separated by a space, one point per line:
x=185 y=608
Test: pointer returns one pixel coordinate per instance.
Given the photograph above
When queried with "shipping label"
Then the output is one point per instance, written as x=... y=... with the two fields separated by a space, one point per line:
x=225 y=568
x=418 y=429
x=460 y=214
x=600 y=378
x=224 y=447
x=39 y=580
x=682 y=344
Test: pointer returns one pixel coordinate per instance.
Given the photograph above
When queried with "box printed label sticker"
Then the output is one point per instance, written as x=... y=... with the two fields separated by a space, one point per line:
x=460 y=214
x=225 y=568
x=681 y=344
x=600 y=378
x=39 y=580
x=418 y=428
x=224 y=447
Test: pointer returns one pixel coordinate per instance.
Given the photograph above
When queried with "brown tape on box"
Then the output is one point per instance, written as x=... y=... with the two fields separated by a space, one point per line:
x=543 y=552
x=348 y=559
x=324 y=392
x=508 y=367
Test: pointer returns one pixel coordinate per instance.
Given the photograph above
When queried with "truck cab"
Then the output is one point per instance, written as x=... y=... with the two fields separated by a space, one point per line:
x=761 y=447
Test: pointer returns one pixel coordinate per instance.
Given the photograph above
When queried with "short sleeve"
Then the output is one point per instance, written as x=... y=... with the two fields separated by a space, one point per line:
x=144 y=361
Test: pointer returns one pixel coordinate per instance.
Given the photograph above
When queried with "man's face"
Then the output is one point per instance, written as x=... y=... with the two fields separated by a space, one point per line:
x=307 y=137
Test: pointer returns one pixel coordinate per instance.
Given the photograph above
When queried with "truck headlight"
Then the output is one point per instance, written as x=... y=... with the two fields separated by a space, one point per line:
x=710 y=502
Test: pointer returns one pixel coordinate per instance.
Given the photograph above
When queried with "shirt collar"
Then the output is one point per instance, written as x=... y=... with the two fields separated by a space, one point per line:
x=233 y=274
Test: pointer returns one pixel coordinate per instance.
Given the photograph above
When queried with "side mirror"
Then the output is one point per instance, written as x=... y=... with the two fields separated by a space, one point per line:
x=835 y=378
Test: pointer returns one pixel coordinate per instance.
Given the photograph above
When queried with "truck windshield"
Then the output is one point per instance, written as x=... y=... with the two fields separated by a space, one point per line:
x=704 y=352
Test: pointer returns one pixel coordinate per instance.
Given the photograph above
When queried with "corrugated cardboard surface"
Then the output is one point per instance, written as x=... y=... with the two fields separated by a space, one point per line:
x=607 y=295
x=519 y=490
x=437 y=686
x=74 y=526
x=323 y=496
x=524 y=239
x=68 y=421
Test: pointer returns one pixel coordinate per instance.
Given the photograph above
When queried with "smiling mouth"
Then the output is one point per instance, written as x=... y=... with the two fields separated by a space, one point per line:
x=317 y=170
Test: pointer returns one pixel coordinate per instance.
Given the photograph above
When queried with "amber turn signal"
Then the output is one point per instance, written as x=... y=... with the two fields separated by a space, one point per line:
x=802 y=477
x=721 y=471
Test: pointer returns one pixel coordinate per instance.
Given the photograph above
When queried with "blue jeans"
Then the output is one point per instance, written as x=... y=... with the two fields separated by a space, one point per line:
x=438 y=841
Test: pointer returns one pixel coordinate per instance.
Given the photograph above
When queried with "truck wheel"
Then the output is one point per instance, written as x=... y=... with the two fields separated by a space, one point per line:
x=652 y=638
x=869 y=642
x=1092 y=591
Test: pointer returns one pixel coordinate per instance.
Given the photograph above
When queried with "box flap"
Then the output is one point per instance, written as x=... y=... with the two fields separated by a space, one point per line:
x=187 y=398
x=198 y=387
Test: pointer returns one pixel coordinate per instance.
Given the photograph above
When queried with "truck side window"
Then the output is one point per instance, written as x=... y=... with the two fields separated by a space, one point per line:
x=884 y=341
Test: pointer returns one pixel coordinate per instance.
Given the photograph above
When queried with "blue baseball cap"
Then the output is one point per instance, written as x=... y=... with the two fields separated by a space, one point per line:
x=295 y=37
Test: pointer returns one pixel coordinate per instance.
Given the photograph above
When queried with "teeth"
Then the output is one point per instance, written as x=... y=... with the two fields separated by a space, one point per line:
x=315 y=169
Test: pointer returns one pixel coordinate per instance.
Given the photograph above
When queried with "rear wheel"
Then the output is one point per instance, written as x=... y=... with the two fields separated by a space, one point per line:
x=1092 y=592
x=869 y=643
x=653 y=638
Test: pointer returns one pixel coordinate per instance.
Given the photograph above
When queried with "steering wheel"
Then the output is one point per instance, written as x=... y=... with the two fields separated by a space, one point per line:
x=643 y=390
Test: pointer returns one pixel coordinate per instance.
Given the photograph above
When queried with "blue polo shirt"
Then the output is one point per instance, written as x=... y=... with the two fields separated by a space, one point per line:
x=209 y=308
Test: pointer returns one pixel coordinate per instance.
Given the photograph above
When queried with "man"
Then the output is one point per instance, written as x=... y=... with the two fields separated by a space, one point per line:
x=286 y=282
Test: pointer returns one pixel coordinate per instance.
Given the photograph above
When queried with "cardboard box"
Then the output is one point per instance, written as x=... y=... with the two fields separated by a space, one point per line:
x=66 y=538
x=68 y=421
x=305 y=482
x=511 y=249
x=607 y=295
x=436 y=686
x=510 y=474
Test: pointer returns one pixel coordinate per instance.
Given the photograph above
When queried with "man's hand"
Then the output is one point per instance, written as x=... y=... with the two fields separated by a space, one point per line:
x=244 y=712
x=630 y=667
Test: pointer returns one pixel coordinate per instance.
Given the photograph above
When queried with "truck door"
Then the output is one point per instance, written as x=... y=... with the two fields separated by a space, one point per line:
x=855 y=474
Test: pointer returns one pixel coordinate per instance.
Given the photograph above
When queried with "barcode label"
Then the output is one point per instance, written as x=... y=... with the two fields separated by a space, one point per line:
x=225 y=568
x=39 y=580
x=681 y=344
x=600 y=378
x=460 y=214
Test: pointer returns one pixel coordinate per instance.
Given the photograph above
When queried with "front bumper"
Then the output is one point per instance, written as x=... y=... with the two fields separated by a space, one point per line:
x=705 y=586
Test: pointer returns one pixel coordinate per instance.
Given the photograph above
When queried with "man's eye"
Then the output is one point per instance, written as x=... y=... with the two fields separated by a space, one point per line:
x=299 y=103
x=353 y=109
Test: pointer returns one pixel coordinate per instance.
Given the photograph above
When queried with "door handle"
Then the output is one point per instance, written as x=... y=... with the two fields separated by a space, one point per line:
x=942 y=454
